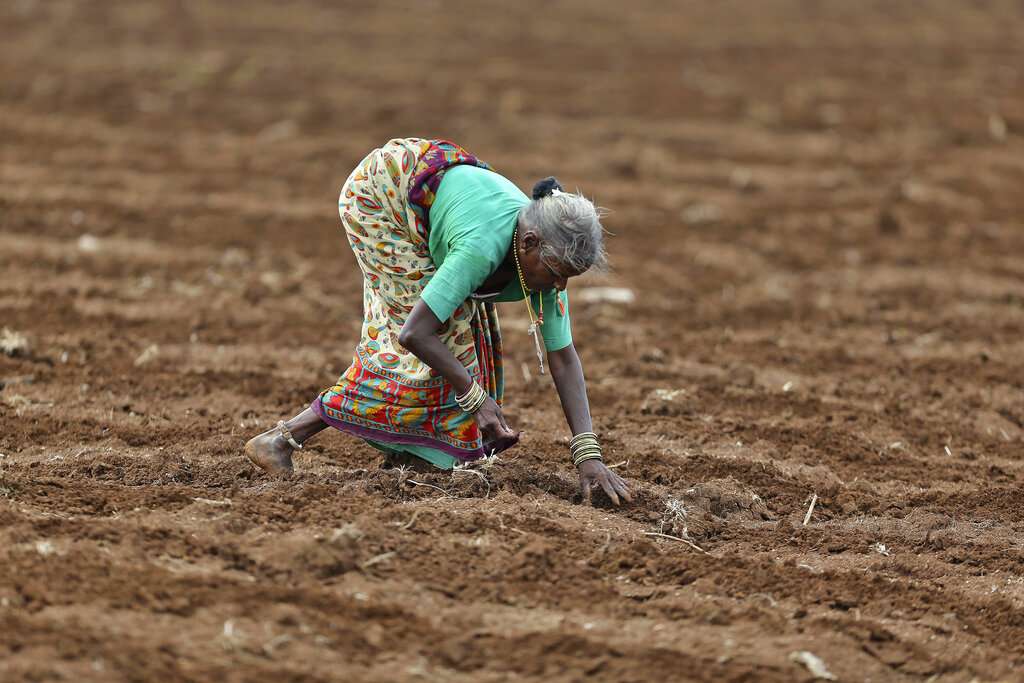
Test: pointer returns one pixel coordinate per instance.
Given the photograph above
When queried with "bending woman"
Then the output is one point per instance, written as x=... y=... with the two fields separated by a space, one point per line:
x=440 y=238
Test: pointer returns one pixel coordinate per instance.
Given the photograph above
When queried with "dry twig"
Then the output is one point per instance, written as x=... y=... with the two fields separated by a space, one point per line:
x=676 y=538
x=431 y=486
x=810 y=510
x=209 y=501
x=412 y=520
x=466 y=469
x=377 y=559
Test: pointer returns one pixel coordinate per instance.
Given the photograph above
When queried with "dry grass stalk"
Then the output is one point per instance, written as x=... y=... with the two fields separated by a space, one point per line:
x=676 y=538
x=377 y=559
x=209 y=501
x=813 y=663
x=525 y=369
x=484 y=463
x=412 y=520
x=430 y=486
x=810 y=509
x=474 y=467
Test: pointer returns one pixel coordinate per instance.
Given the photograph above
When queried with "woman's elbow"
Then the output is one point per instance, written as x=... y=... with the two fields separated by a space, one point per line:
x=408 y=338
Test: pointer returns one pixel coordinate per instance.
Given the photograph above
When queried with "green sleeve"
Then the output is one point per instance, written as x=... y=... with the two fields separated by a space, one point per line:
x=455 y=280
x=556 y=330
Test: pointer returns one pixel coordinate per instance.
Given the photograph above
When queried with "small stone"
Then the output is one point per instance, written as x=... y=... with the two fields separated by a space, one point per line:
x=88 y=243
x=148 y=355
x=13 y=343
x=813 y=663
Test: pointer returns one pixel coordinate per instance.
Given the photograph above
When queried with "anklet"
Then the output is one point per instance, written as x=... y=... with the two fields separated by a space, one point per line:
x=288 y=436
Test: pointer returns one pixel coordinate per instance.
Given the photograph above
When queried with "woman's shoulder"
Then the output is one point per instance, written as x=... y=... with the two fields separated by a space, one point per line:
x=479 y=182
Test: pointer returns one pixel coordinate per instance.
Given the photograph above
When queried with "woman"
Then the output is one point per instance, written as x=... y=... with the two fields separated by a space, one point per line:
x=439 y=238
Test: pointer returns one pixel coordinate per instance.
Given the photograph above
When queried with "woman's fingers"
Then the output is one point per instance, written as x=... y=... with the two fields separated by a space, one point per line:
x=496 y=439
x=614 y=478
x=585 y=485
x=509 y=442
x=613 y=485
x=606 y=484
x=620 y=488
x=498 y=415
x=492 y=423
x=508 y=430
x=616 y=492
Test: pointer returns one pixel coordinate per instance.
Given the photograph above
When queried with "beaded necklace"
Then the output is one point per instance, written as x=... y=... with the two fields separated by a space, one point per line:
x=535 y=321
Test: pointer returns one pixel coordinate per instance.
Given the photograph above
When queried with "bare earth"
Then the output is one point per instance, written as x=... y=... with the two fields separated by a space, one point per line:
x=817 y=204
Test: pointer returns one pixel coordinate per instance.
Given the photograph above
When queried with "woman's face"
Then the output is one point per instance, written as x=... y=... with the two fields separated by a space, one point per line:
x=539 y=275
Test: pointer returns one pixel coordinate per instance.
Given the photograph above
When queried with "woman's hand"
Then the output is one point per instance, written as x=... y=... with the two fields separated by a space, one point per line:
x=497 y=435
x=594 y=473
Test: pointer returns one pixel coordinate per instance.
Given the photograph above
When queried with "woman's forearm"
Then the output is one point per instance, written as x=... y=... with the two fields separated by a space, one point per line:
x=567 y=373
x=419 y=335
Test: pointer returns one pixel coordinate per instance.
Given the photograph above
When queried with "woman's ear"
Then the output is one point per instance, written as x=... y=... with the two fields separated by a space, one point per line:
x=530 y=240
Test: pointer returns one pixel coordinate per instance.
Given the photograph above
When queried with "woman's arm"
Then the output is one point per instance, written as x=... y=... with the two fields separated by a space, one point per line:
x=419 y=335
x=567 y=372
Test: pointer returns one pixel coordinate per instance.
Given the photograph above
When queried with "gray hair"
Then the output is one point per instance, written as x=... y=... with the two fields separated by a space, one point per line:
x=570 y=231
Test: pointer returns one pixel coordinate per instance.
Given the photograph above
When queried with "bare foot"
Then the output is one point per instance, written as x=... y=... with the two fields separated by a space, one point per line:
x=271 y=452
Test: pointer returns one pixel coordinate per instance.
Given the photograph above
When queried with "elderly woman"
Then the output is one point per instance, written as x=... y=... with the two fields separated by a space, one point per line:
x=439 y=238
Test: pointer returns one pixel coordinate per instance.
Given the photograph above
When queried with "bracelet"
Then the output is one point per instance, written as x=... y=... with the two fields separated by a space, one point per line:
x=579 y=461
x=472 y=399
x=583 y=447
x=581 y=437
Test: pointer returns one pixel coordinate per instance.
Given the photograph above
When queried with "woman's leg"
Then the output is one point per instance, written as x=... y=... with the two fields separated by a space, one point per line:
x=305 y=424
x=272 y=451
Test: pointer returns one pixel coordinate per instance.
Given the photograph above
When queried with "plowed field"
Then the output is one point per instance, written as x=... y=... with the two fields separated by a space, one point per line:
x=817 y=205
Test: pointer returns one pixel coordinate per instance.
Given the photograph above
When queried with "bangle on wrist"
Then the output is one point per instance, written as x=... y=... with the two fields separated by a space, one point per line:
x=579 y=461
x=472 y=399
x=584 y=446
x=581 y=437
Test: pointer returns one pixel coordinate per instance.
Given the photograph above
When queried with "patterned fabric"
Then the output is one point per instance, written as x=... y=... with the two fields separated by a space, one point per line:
x=388 y=394
x=439 y=156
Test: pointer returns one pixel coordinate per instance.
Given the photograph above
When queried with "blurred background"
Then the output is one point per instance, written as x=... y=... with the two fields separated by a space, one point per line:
x=816 y=168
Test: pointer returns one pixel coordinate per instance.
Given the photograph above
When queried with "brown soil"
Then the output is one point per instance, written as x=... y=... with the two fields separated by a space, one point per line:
x=817 y=204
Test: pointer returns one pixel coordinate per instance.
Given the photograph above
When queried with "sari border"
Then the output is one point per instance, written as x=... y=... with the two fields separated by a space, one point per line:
x=462 y=454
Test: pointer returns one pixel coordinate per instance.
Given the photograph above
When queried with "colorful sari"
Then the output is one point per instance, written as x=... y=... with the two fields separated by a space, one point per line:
x=388 y=396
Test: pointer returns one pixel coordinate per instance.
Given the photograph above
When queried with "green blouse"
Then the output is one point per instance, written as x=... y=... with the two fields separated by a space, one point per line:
x=471 y=224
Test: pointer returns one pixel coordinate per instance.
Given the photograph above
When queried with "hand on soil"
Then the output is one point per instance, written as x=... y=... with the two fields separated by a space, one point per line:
x=497 y=435
x=594 y=474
